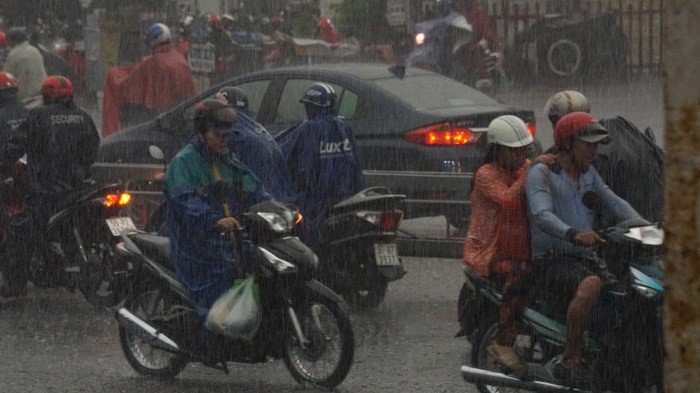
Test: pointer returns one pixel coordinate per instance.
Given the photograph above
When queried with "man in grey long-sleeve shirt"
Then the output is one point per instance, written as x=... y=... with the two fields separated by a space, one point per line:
x=563 y=226
x=25 y=62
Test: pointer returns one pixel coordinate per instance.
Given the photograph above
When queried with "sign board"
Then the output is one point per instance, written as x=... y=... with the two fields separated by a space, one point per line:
x=397 y=12
x=201 y=57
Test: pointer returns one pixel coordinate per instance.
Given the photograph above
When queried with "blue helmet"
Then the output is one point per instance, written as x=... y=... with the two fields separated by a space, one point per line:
x=158 y=33
x=321 y=95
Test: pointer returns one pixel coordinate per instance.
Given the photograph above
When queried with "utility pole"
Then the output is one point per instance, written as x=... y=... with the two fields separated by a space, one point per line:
x=681 y=78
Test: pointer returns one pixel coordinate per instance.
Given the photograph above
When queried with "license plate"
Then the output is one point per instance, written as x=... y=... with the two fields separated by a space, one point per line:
x=118 y=224
x=386 y=254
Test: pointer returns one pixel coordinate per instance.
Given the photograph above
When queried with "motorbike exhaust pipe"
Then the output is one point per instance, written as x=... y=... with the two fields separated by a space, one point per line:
x=477 y=375
x=146 y=332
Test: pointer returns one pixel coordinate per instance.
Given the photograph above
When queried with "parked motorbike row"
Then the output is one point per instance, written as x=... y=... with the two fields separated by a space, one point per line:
x=623 y=346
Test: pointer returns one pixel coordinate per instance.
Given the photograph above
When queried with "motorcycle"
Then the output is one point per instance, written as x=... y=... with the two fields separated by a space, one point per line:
x=429 y=52
x=303 y=322
x=623 y=345
x=359 y=256
x=79 y=240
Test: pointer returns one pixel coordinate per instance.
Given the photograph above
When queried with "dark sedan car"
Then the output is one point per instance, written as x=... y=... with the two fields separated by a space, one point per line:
x=420 y=135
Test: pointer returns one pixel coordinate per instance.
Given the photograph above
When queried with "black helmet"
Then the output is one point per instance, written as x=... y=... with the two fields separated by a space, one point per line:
x=321 y=95
x=17 y=34
x=319 y=99
x=235 y=97
x=214 y=115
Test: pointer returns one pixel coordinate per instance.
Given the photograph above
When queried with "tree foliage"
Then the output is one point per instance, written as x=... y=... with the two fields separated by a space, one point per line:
x=362 y=19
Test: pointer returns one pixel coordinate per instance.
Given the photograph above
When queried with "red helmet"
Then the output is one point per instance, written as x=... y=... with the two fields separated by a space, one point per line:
x=3 y=39
x=7 y=81
x=57 y=87
x=215 y=20
x=580 y=125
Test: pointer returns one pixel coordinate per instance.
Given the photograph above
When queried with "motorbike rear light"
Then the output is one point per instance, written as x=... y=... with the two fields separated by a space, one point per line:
x=116 y=199
x=124 y=199
x=443 y=134
x=390 y=220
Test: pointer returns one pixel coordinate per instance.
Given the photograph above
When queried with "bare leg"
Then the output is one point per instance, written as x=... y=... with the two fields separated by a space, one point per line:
x=577 y=317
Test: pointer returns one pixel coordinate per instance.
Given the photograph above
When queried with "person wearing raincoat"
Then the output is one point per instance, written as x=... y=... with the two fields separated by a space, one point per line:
x=155 y=85
x=207 y=189
x=257 y=148
x=322 y=159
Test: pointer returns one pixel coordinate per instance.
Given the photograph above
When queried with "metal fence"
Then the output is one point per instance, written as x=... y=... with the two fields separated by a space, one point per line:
x=641 y=21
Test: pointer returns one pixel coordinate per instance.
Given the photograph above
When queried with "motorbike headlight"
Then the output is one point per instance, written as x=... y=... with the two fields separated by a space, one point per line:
x=279 y=264
x=420 y=38
x=276 y=222
x=647 y=292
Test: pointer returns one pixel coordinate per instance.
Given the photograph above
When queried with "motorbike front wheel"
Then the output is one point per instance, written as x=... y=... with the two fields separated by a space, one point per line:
x=528 y=349
x=149 y=304
x=325 y=358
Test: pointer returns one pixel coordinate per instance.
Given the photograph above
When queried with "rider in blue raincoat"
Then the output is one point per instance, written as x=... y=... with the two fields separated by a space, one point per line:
x=257 y=148
x=207 y=190
x=322 y=159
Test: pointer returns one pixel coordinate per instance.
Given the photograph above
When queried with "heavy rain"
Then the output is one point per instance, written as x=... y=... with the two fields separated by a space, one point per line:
x=389 y=264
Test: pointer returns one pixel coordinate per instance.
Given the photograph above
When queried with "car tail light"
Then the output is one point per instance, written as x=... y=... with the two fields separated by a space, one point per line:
x=443 y=134
x=390 y=220
x=532 y=127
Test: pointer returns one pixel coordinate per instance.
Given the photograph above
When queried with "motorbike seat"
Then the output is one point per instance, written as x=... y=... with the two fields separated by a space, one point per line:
x=155 y=247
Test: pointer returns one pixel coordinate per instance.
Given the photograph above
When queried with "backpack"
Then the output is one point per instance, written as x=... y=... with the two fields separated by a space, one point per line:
x=632 y=166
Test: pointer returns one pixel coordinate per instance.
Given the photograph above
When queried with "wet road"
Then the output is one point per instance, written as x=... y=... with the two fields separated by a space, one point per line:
x=53 y=341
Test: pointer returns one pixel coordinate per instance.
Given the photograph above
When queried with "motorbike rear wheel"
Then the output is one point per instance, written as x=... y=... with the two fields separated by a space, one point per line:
x=325 y=360
x=95 y=277
x=370 y=297
x=147 y=360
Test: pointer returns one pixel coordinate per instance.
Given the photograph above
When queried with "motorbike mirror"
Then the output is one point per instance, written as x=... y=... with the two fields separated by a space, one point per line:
x=593 y=201
x=156 y=152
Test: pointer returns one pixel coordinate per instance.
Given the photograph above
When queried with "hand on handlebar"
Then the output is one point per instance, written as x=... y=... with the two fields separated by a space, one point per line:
x=590 y=238
x=229 y=224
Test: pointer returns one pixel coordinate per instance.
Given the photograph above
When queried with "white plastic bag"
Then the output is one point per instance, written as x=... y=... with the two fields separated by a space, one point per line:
x=236 y=313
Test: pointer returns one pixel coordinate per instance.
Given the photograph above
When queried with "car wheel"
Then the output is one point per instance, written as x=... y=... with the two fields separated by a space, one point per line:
x=564 y=57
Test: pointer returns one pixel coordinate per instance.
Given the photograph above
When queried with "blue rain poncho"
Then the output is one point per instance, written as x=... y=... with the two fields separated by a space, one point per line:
x=322 y=159
x=259 y=151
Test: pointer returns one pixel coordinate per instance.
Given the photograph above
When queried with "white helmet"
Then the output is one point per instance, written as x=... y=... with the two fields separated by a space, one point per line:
x=565 y=102
x=463 y=31
x=510 y=131
x=158 y=33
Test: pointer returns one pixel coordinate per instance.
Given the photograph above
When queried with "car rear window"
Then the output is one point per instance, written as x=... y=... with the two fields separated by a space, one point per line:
x=433 y=91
